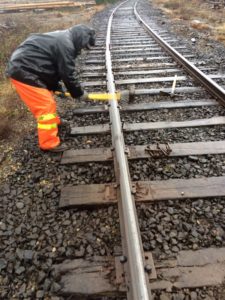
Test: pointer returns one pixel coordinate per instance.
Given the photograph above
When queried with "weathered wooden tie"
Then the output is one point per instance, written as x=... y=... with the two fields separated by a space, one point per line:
x=105 y=128
x=143 y=191
x=139 y=152
x=147 y=106
x=105 y=275
x=145 y=80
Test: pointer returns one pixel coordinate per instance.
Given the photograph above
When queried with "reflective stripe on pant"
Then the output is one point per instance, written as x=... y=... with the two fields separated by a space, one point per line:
x=42 y=104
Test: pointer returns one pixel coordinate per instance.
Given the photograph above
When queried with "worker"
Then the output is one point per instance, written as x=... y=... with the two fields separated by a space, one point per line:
x=38 y=65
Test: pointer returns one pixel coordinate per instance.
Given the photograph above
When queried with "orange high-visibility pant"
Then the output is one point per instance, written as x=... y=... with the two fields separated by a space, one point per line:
x=42 y=104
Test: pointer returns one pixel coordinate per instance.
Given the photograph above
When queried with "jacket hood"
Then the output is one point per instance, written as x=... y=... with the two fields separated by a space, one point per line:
x=82 y=37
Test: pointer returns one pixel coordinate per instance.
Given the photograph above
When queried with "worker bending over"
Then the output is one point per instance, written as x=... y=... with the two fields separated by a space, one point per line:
x=35 y=69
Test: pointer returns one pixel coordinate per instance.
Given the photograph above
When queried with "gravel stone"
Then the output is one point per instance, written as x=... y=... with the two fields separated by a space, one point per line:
x=40 y=294
x=20 y=253
x=2 y=226
x=41 y=276
x=6 y=189
x=47 y=284
x=55 y=287
x=165 y=297
x=20 y=270
x=20 y=205
x=194 y=296
x=178 y=296
x=3 y=264
x=22 y=289
x=170 y=210
x=175 y=249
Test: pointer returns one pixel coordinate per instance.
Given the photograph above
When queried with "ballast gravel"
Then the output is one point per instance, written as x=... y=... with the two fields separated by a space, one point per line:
x=171 y=226
x=178 y=167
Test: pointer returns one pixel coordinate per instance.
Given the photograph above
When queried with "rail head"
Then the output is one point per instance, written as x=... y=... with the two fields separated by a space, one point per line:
x=138 y=278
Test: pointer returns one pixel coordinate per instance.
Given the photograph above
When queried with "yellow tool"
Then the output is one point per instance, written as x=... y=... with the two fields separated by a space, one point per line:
x=104 y=96
x=96 y=97
x=62 y=94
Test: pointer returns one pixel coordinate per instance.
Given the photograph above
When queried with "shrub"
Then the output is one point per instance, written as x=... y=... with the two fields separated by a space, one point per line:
x=104 y=1
x=172 y=4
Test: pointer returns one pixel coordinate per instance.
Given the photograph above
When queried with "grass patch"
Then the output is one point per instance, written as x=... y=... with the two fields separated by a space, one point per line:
x=13 y=113
x=104 y=1
x=172 y=5
x=221 y=33
x=211 y=20
x=187 y=10
x=12 y=110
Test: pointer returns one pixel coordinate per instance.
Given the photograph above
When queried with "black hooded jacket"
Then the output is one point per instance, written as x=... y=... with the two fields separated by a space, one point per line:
x=42 y=60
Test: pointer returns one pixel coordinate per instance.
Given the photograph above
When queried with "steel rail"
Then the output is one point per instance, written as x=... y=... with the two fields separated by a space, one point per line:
x=210 y=85
x=139 y=282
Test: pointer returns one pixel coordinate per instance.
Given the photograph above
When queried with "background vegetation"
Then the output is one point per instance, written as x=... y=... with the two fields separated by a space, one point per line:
x=104 y=1
x=13 y=31
x=210 y=19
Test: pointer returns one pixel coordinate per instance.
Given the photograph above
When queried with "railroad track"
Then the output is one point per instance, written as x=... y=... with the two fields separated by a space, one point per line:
x=163 y=83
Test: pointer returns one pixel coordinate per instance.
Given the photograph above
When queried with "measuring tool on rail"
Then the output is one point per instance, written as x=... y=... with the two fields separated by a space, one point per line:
x=96 y=96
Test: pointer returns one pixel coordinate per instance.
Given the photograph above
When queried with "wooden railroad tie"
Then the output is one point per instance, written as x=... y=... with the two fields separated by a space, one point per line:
x=144 y=191
x=105 y=275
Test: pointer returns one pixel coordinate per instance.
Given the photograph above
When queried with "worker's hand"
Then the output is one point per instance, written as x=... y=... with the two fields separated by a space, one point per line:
x=59 y=89
x=84 y=97
x=60 y=94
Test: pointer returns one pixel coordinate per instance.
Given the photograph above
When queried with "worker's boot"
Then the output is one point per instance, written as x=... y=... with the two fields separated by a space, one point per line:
x=60 y=148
